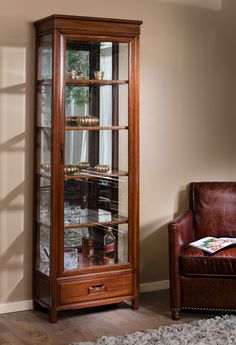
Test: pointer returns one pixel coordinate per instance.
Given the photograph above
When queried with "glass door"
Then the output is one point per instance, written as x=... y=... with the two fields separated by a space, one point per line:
x=96 y=154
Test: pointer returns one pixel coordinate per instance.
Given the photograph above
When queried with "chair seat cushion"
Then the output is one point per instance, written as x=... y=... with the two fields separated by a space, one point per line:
x=194 y=261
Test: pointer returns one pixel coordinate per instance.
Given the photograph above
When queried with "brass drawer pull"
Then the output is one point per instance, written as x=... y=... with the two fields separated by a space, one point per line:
x=97 y=289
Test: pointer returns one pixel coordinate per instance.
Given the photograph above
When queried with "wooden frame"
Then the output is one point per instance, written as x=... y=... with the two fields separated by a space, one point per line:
x=87 y=286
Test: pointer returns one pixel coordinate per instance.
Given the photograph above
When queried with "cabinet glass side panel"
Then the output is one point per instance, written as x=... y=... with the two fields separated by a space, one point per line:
x=96 y=60
x=45 y=150
x=43 y=226
x=43 y=250
x=46 y=105
x=44 y=200
x=43 y=153
x=45 y=57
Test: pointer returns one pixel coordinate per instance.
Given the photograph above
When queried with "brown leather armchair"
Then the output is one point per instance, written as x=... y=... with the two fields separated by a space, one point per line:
x=199 y=280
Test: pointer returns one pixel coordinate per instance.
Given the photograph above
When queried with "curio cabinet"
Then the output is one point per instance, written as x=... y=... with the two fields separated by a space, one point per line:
x=86 y=214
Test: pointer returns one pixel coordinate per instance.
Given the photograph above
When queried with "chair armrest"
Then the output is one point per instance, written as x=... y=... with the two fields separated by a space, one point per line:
x=180 y=235
x=180 y=232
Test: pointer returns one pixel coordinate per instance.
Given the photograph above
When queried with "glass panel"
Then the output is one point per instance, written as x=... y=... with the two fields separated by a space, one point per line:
x=97 y=60
x=44 y=245
x=46 y=105
x=44 y=141
x=45 y=57
x=45 y=150
x=44 y=185
x=123 y=61
x=44 y=200
x=93 y=246
x=96 y=158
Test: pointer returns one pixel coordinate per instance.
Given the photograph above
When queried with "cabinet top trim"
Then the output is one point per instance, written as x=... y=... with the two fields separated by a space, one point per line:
x=98 y=26
x=93 y=19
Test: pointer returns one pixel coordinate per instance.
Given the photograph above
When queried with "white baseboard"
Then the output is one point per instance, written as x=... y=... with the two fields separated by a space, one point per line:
x=27 y=305
x=155 y=286
x=15 y=306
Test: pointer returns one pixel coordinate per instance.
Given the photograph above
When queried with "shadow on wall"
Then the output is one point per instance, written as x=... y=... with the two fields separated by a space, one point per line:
x=182 y=200
x=16 y=162
x=154 y=247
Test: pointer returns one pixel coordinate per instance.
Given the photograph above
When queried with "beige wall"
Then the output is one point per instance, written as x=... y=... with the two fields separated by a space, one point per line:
x=187 y=117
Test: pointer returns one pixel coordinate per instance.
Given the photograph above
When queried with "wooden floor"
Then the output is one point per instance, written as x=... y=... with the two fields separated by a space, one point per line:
x=33 y=328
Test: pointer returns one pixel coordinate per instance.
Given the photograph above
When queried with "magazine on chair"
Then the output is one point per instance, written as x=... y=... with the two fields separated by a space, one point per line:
x=213 y=244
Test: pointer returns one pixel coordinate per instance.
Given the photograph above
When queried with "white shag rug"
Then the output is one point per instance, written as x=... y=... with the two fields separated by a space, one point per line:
x=214 y=331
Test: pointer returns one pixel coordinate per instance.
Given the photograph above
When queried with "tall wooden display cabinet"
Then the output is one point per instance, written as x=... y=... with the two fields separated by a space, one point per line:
x=86 y=214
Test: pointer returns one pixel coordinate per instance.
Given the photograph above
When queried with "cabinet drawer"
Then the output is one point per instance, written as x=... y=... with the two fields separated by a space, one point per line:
x=92 y=289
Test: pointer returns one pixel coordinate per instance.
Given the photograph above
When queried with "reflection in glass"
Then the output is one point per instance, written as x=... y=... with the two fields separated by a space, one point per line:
x=92 y=200
x=122 y=234
x=71 y=259
x=44 y=200
x=80 y=144
x=46 y=105
x=44 y=250
x=45 y=149
x=45 y=57
x=82 y=60
x=77 y=100
x=77 y=62
x=44 y=154
x=114 y=60
x=123 y=61
x=76 y=147
x=106 y=59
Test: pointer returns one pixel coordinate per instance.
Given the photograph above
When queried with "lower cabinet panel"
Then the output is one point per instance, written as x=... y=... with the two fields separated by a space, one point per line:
x=93 y=289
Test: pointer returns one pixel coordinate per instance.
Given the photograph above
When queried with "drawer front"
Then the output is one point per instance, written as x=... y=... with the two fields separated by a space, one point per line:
x=92 y=289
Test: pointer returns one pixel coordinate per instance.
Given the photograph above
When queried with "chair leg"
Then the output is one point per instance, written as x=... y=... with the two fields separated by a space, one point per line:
x=175 y=313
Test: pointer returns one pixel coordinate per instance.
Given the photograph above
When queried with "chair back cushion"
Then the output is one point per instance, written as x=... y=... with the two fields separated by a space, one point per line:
x=214 y=208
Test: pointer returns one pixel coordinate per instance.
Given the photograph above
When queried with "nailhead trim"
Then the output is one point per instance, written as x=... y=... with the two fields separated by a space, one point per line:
x=210 y=309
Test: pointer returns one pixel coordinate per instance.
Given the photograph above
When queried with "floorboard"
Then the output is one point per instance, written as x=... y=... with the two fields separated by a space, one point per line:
x=33 y=327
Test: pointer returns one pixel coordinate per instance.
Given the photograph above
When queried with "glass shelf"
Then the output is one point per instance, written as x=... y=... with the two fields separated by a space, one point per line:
x=96 y=128
x=47 y=128
x=84 y=174
x=94 y=174
x=44 y=81
x=89 y=82
x=89 y=217
x=84 y=262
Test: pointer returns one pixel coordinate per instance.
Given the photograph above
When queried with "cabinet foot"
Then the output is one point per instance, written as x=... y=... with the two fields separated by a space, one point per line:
x=135 y=304
x=53 y=316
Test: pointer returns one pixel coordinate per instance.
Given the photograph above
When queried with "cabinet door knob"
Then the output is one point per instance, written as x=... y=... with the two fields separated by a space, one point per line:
x=61 y=153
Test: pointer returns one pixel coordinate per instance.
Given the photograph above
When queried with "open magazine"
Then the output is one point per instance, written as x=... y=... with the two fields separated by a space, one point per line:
x=213 y=244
